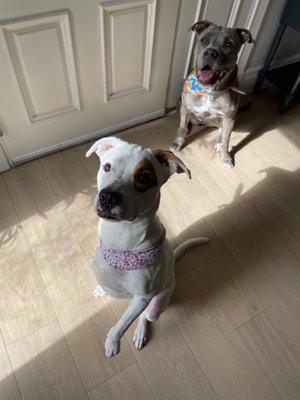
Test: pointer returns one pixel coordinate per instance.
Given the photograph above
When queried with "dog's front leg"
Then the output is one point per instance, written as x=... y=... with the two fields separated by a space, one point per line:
x=182 y=130
x=226 y=129
x=218 y=141
x=135 y=308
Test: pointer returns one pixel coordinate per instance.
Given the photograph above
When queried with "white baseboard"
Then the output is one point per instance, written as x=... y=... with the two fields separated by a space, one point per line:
x=248 y=79
x=90 y=136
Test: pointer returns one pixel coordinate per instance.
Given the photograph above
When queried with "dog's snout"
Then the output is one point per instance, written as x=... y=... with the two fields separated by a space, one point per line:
x=211 y=53
x=109 y=199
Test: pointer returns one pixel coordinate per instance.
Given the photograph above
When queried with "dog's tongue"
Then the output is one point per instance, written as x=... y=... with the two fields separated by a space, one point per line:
x=205 y=75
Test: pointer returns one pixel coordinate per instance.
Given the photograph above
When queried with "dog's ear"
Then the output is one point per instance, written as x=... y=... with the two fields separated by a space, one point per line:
x=200 y=26
x=102 y=146
x=171 y=162
x=245 y=36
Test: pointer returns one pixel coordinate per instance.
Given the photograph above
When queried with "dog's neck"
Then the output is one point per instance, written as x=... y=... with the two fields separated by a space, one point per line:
x=225 y=82
x=138 y=234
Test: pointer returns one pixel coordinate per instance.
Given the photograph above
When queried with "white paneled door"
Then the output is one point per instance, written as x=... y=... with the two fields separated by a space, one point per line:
x=71 y=70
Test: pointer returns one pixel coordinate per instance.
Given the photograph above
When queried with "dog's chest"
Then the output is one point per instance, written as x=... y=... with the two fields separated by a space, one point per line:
x=207 y=106
x=122 y=284
x=206 y=109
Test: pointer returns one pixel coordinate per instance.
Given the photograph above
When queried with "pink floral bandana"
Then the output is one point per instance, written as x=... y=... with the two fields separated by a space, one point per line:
x=127 y=260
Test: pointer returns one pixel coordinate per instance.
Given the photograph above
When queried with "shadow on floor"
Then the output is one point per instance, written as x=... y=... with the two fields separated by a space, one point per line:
x=264 y=105
x=255 y=239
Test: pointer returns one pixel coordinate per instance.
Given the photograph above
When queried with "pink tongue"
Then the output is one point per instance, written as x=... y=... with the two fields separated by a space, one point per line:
x=205 y=75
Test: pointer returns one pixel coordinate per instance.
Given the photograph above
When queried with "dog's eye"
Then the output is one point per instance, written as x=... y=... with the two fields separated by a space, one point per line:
x=107 y=167
x=143 y=177
x=228 y=44
x=204 y=40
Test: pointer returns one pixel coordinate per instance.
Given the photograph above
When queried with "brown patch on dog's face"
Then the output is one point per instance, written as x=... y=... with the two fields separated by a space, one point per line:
x=144 y=176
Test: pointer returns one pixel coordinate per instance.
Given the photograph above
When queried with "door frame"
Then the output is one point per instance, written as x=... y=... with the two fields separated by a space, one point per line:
x=5 y=160
x=192 y=11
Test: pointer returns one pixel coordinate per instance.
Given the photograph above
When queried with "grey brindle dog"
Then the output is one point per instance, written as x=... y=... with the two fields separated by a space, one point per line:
x=215 y=56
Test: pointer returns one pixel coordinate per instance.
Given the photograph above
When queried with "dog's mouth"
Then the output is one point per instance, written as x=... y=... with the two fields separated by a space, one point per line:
x=115 y=214
x=108 y=214
x=208 y=75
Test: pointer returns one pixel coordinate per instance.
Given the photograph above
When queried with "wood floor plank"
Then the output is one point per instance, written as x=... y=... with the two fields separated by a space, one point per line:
x=167 y=362
x=75 y=189
x=277 y=145
x=203 y=160
x=44 y=367
x=91 y=164
x=292 y=124
x=232 y=329
x=207 y=195
x=273 y=339
x=280 y=229
x=223 y=276
x=252 y=160
x=157 y=134
x=217 y=267
x=66 y=272
x=284 y=186
x=282 y=232
x=262 y=265
x=8 y=385
x=24 y=302
x=216 y=345
x=128 y=384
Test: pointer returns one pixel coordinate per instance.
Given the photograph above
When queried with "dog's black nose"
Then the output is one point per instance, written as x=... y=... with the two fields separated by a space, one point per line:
x=109 y=199
x=211 y=53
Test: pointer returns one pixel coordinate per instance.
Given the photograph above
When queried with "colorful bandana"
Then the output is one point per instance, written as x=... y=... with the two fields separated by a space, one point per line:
x=127 y=260
x=192 y=85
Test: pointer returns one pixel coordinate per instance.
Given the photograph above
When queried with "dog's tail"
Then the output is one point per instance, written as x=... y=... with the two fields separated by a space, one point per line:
x=183 y=247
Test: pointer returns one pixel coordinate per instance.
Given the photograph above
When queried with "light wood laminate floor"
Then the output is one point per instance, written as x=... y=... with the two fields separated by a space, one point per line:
x=232 y=330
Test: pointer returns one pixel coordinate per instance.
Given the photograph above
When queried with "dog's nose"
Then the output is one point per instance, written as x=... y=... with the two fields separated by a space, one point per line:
x=211 y=53
x=109 y=199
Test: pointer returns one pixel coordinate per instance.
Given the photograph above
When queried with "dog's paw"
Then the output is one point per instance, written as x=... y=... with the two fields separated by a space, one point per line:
x=140 y=336
x=98 y=292
x=112 y=347
x=176 y=145
x=227 y=162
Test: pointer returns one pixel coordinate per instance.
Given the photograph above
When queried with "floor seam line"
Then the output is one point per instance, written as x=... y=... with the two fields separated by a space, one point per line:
x=254 y=316
x=10 y=363
x=116 y=373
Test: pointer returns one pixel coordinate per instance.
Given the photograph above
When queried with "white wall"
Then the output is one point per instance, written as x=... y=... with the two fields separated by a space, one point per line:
x=260 y=16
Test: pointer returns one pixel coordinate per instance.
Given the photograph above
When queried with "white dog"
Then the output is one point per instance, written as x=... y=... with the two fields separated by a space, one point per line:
x=133 y=259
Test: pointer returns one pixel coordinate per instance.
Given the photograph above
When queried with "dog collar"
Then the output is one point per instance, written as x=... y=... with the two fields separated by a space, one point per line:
x=192 y=85
x=128 y=260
